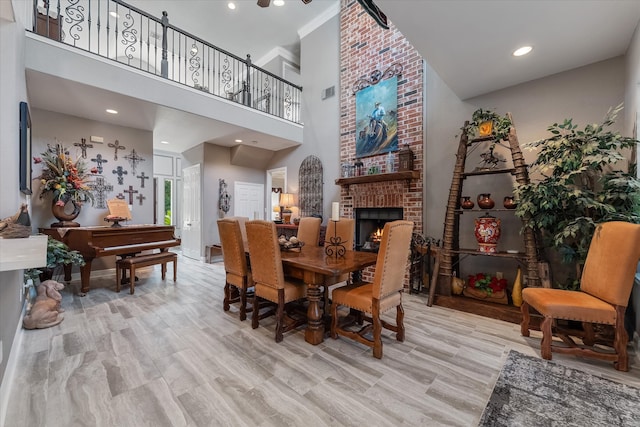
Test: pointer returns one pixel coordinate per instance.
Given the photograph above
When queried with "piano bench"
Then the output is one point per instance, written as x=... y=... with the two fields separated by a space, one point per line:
x=145 y=261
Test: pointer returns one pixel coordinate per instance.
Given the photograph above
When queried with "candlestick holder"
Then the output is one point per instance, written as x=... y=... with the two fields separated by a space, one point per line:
x=335 y=248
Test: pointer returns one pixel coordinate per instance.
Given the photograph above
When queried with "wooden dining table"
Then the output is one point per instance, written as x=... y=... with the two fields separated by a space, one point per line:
x=317 y=270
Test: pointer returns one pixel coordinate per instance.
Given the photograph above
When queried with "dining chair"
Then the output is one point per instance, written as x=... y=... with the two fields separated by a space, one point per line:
x=269 y=280
x=605 y=286
x=309 y=231
x=234 y=256
x=384 y=293
x=345 y=230
x=242 y=221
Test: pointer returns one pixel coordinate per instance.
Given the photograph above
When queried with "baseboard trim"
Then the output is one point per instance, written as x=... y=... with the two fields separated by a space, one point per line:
x=12 y=364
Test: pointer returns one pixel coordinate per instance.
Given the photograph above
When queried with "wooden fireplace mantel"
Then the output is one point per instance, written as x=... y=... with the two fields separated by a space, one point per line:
x=379 y=177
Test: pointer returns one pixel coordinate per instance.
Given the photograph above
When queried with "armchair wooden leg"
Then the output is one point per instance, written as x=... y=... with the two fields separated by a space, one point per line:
x=547 y=336
x=620 y=341
x=400 y=322
x=589 y=337
x=524 y=326
x=227 y=296
x=280 y=315
x=243 y=300
x=377 y=330
x=334 y=321
x=256 y=312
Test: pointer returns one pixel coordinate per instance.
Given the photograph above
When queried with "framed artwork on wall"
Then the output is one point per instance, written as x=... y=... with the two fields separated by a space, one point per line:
x=377 y=118
x=25 y=149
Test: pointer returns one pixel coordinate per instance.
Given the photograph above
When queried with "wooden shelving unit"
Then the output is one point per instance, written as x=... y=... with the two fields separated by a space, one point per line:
x=452 y=254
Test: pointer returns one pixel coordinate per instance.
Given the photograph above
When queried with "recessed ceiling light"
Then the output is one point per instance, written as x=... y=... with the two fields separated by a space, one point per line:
x=522 y=51
x=115 y=15
x=110 y=111
x=238 y=140
x=164 y=142
x=278 y=2
x=231 y=5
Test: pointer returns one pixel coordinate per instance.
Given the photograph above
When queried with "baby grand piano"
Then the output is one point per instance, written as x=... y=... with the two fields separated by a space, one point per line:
x=94 y=242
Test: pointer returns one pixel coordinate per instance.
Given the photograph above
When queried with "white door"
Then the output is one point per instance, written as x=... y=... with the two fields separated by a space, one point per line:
x=191 y=212
x=249 y=200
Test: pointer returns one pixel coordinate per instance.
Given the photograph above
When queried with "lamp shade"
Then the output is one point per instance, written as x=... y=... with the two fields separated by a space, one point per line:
x=286 y=200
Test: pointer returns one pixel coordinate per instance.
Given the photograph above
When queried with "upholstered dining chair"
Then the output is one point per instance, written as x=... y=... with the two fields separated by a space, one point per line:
x=235 y=263
x=605 y=286
x=242 y=220
x=269 y=280
x=309 y=231
x=383 y=294
x=345 y=230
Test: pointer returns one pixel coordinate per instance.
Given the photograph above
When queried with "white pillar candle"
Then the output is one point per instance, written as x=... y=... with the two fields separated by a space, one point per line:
x=335 y=211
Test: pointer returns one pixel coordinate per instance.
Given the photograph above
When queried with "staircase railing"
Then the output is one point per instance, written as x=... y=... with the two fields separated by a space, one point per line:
x=123 y=33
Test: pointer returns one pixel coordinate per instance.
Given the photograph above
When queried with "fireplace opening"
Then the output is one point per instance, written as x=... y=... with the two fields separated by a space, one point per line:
x=369 y=225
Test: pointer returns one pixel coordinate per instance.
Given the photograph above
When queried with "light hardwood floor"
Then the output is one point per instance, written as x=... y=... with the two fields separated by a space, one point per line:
x=169 y=356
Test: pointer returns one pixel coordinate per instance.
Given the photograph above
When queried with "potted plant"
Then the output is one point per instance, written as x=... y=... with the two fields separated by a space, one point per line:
x=58 y=255
x=585 y=180
x=486 y=122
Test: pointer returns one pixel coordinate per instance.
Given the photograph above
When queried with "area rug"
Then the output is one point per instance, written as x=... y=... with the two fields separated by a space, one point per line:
x=535 y=392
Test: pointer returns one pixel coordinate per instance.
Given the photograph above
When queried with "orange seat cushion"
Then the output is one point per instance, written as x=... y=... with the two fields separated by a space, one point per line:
x=569 y=305
x=360 y=297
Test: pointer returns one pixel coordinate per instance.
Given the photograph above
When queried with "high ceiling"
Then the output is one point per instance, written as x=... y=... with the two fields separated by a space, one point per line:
x=467 y=42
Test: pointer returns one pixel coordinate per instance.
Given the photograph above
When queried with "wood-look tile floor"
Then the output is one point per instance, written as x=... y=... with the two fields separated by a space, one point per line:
x=169 y=356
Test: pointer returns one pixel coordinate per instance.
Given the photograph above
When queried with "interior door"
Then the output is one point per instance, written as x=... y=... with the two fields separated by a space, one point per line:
x=191 y=212
x=249 y=200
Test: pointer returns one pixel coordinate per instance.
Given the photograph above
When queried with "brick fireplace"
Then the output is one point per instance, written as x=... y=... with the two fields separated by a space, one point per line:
x=365 y=48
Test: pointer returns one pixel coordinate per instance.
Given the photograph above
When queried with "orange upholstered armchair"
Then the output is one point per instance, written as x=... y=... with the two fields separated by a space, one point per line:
x=605 y=286
x=383 y=294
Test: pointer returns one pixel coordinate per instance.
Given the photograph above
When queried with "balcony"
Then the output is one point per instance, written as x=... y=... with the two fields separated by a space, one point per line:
x=126 y=35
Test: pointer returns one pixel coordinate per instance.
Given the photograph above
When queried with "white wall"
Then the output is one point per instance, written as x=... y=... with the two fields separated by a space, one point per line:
x=584 y=94
x=13 y=90
x=320 y=67
x=49 y=127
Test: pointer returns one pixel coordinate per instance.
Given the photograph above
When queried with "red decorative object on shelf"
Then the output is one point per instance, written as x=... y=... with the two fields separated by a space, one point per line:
x=487 y=233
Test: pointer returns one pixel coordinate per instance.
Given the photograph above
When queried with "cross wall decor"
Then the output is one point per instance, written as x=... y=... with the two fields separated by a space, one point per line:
x=83 y=146
x=116 y=146
x=100 y=187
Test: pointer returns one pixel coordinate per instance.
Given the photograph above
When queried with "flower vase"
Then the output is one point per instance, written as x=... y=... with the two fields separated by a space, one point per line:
x=487 y=232
x=60 y=212
x=516 y=292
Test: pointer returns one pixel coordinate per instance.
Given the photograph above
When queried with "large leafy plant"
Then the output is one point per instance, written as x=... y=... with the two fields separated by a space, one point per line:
x=581 y=185
x=58 y=255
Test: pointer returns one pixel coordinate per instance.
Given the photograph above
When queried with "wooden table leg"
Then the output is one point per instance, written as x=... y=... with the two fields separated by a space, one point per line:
x=314 y=334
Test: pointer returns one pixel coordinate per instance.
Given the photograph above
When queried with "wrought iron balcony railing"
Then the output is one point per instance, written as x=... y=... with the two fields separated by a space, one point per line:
x=118 y=31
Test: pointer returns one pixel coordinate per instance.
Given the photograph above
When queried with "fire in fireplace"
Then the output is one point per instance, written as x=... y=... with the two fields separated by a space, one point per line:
x=369 y=225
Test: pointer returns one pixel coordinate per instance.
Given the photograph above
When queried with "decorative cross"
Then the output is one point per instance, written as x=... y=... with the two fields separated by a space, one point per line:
x=99 y=188
x=131 y=191
x=83 y=146
x=116 y=146
x=142 y=177
x=99 y=160
x=120 y=172
x=120 y=196
x=141 y=198
x=134 y=159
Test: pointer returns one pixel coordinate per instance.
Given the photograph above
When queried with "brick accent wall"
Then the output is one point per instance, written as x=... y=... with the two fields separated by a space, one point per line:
x=365 y=47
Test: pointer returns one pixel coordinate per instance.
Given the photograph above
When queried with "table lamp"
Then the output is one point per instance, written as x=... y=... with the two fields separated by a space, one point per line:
x=286 y=201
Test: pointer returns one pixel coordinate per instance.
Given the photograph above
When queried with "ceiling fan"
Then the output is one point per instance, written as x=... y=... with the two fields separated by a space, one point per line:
x=265 y=3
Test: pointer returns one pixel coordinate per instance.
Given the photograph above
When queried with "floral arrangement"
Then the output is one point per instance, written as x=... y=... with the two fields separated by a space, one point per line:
x=64 y=177
x=486 y=283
